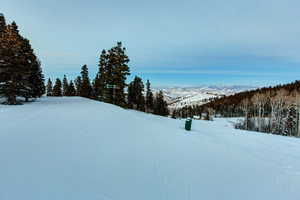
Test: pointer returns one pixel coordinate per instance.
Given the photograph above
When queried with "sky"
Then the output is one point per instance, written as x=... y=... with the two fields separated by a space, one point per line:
x=170 y=42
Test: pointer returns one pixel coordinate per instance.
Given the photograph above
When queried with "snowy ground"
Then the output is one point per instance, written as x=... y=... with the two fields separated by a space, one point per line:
x=78 y=149
x=179 y=97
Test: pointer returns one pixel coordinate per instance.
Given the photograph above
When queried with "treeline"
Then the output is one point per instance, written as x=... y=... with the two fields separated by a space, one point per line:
x=269 y=109
x=20 y=70
x=21 y=77
x=110 y=86
x=191 y=111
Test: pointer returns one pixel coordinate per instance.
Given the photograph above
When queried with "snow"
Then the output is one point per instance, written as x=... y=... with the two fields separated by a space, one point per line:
x=78 y=149
x=179 y=97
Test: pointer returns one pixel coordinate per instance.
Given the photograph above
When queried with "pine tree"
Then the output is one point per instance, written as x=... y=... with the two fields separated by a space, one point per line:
x=71 y=91
x=37 y=80
x=160 y=105
x=20 y=70
x=115 y=73
x=14 y=66
x=65 y=85
x=57 y=89
x=49 y=88
x=130 y=96
x=100 y=80
x=136 y=97
x=86 y=89
x=291 y=122
x=33 y=80
x=78 y=84
x=149 y=98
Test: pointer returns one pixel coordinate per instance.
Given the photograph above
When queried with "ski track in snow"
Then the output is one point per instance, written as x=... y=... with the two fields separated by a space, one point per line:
x=77 y=149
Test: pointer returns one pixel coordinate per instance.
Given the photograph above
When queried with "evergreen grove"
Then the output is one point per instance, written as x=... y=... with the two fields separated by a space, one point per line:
x=21 y=77
x=101 y=89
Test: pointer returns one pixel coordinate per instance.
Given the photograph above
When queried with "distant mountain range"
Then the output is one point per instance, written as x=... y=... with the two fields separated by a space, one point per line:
x=178 y=97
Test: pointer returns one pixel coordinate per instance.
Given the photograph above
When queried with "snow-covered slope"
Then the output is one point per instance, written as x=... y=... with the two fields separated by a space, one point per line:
x=178 y=97
x=78 y=149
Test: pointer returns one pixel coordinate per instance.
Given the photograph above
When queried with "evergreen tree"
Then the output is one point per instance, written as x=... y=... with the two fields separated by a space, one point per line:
x=291 y=122
x=160 y=105
x=14 y=66
x=49 y=88
x=100 y=80
x=37 y=80
x=33 y=79
x=78 y=83
x=130 y=96
x=65 y=85
x=20 y=70
x=86 y=89
x=57 y=89
x=136 y=98
x=149 y=98
x=115 y=73
x=71 y=91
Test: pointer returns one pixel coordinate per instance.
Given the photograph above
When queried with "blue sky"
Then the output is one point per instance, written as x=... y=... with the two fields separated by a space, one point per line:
x=170 y=42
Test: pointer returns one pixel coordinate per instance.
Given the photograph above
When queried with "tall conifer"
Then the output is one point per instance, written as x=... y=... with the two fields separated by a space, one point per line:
x=71 y=89
x=136 y=97
x=49 y=88
x=65 y=85
x=101 y=78
x=14 y=67
x=149 y=98
x=115 y=63
x=20 y=69
x=57 y=89
x=86 y=89
x=78 y=83
x=160 y=105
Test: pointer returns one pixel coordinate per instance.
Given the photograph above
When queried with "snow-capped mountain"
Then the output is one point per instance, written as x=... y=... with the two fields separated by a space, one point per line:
x=178 y=97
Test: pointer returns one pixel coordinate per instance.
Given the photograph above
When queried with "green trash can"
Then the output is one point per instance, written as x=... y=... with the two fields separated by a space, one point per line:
x=188 y=124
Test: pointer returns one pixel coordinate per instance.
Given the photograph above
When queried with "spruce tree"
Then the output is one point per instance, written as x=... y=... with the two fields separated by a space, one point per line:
x=78 y=83
x=136 y=97
x=37 y=80
x=100 y=80
x=57 y=89
x=98 y=88
x=291 y=121
x=86 y=89
x=116 y=71
x=130 y=96
x=20 y=69
x=34 y=78
x=71 y=91
x=65 y=85
x=14 y=67
x=49 y=88
x=160 y=105
x=149 y=98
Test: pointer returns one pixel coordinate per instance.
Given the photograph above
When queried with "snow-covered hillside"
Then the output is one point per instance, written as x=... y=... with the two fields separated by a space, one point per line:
x=79 y=149
x=178 y=97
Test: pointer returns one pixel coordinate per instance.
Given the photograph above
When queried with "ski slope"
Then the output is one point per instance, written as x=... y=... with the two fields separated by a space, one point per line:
x=79 y=149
